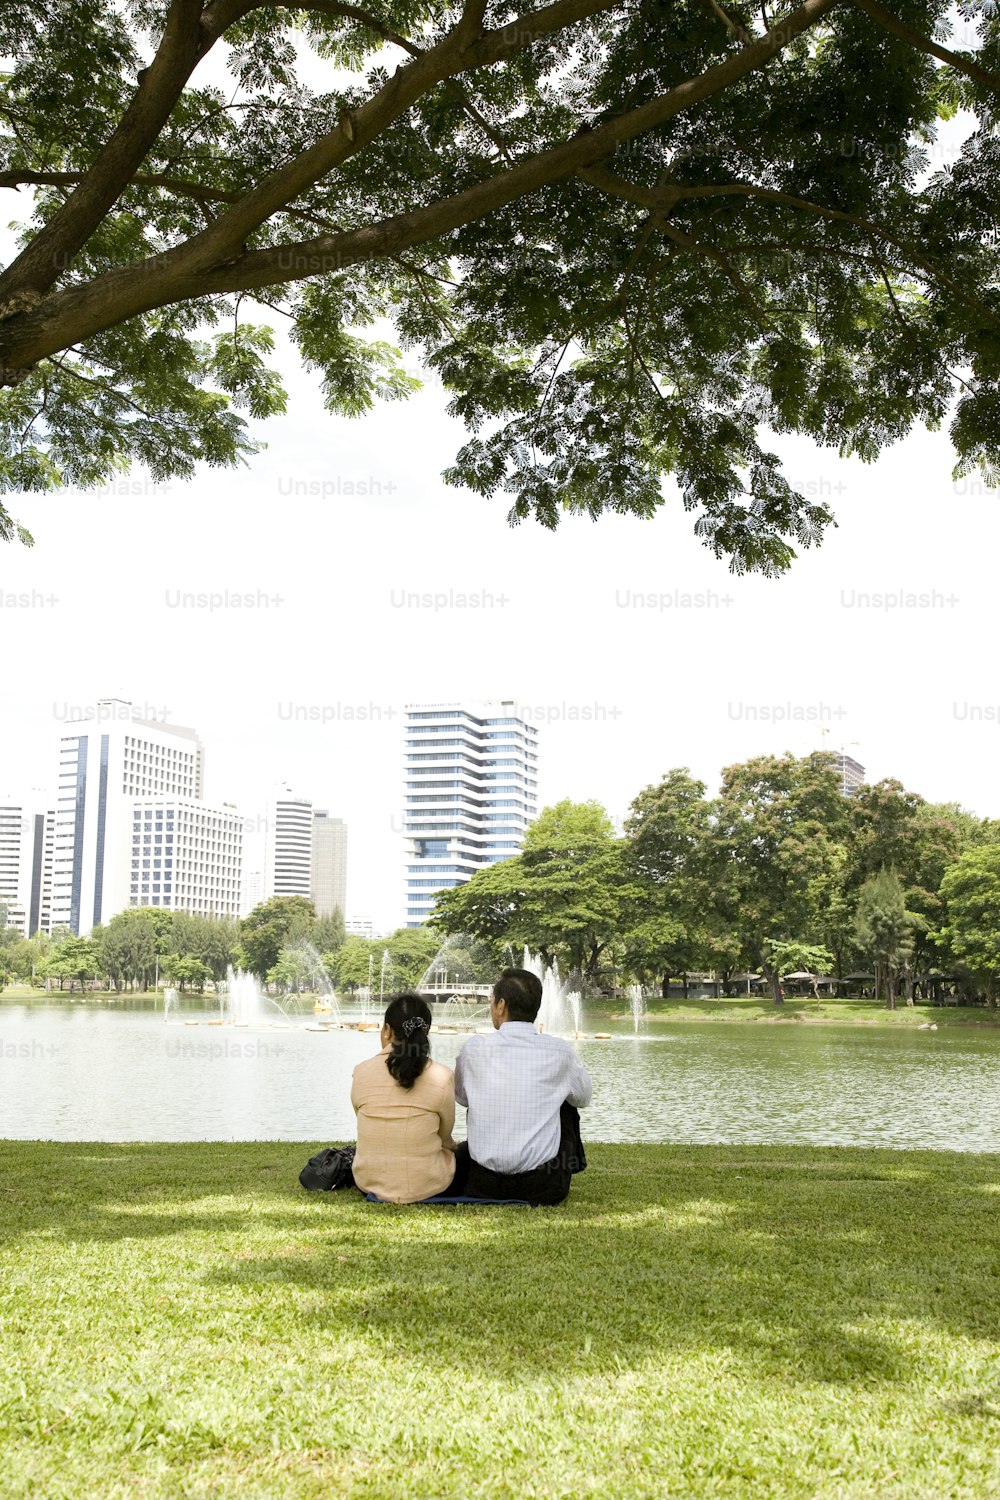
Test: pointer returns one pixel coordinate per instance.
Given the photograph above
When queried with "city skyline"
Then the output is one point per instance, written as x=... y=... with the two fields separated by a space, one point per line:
x=385 y=901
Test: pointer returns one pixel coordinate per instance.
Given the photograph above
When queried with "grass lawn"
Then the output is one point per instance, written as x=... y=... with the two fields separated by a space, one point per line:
x=846 y=1012
x=695 y=1321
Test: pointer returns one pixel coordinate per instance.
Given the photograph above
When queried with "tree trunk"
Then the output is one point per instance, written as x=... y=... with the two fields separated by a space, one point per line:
x=890 y=987
x=684 y=982
x=665 y=986
x=908 y=982
x=774 y=980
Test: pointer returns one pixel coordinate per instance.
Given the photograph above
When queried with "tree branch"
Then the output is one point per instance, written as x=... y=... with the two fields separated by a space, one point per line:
x=329 y=7
x=734 y=26
x=41 y=263
x=667 y=197
x=688 y=242
x=343 y=12
x=181 y=274
x=181 y=185
x=891 y=23
x=358 y=128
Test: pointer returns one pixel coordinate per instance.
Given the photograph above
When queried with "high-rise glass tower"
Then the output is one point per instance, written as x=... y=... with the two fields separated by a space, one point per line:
x=471 y=791
x=288 y=845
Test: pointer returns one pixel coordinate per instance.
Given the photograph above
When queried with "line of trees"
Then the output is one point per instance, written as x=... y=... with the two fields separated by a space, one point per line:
x=778 y=872
x=282 y=942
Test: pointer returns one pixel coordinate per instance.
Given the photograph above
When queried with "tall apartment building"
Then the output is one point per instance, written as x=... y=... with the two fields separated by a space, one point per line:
x=27 y=837
x=851 y=773
x=119 y=777
x=12 y=841
x=43 y=848
x=251 y=891
x=328 y=871
x=471 y=791
x=288 y=845
x=186 y=856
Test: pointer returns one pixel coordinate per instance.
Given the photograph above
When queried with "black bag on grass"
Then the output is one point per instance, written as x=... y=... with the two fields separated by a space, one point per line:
x=329 y=1170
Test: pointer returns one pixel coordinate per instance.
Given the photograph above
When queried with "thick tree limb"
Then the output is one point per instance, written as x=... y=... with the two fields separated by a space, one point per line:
x=352 y=12
x=891 y=23
x=454 y=54
x=41 y=263
x=183 y=273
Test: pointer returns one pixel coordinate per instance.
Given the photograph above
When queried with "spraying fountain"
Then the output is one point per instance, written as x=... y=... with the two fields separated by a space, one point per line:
x=245 y=1003
x=559 y=1013
x=368 y=990
x=638 y=1003
x=326 y=1003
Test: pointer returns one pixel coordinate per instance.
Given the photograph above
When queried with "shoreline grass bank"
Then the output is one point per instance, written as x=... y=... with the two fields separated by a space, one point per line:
x=825 y=1012
x=839 y=1012
x=695 y=1321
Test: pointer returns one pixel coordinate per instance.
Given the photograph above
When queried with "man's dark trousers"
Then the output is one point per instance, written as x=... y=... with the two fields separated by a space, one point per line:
x=543 y=1185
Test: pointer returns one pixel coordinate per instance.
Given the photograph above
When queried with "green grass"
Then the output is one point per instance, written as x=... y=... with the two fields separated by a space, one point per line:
x=20 y=993
x=841 y=1011
x=695 y=1321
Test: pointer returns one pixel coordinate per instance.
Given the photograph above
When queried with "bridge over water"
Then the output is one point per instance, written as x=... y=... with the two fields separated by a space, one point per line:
x=481 y=992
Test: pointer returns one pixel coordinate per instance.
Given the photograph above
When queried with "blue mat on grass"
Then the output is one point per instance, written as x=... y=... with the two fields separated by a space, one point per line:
x=447 y=1198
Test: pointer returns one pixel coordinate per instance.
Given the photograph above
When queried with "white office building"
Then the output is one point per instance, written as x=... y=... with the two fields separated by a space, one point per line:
x=42 y=860
x=328 y=870
x=122 y=778
x=471 y=772
x=288 y=846
x=359 y=927
x=251 y=891
x=13 y=838
x=27 y=834
x=186 y=856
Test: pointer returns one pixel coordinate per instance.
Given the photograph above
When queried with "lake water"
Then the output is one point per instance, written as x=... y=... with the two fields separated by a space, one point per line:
x=83 y=1072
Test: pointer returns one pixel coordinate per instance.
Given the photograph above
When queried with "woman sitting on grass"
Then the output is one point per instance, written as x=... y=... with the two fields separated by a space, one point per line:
x=405 y=1105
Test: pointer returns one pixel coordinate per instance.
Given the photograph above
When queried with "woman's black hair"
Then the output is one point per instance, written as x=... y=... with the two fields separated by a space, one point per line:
x=409 y=1019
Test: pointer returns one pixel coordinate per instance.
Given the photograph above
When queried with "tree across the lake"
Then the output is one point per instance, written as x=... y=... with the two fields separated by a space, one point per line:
x=630 y=239
x=779 y=872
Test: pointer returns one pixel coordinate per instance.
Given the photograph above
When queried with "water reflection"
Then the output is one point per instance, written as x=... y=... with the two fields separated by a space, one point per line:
x=83 y=1073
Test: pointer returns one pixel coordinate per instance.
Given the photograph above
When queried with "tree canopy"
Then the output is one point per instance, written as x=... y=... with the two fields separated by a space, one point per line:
x=632 y=239
x=562 y=894
x=971 y=891
x=780 y=871
x=269 y=928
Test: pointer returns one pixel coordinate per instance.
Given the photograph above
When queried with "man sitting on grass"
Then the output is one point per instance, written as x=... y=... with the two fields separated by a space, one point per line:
x=523 y=1091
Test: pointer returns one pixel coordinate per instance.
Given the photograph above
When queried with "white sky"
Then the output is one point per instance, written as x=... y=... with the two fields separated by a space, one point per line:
x=667 y=686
